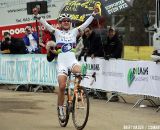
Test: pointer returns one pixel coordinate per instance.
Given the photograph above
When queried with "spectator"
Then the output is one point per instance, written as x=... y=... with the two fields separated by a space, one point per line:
x=11 y=45
x=93 y=48
x=113 y=49
x=31 y=40
x=51 y=53
x=113 y=44
x=46 y=37
x=92 y=44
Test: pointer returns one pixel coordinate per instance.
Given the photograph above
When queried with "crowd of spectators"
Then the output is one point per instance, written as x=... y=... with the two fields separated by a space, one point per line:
x=89 y=43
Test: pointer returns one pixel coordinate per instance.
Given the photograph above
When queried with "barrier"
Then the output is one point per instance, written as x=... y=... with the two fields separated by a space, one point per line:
x=129 y=77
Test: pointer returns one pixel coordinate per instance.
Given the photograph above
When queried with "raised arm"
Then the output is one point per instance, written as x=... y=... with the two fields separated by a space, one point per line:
x=46 y=25
x=43 y=21
x=90 y=19
x=86 y=23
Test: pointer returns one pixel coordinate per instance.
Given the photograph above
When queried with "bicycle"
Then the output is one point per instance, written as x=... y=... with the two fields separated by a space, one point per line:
x=76 y=101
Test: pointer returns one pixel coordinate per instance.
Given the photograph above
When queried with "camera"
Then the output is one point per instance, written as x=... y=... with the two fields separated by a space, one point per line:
x=27 y=29
x=52 y=48
x=7 y=39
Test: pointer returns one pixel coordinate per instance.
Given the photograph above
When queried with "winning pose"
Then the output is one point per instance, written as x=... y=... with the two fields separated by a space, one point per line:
x=65 y=44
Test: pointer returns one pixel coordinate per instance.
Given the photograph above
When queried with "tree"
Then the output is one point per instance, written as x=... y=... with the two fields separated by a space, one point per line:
x=134 y=18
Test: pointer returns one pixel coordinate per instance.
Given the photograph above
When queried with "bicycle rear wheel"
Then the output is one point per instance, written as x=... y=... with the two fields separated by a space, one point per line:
x=66 y=113
x=80 y=112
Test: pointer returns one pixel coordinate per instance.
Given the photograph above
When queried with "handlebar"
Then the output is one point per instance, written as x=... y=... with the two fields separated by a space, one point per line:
x=86 y=75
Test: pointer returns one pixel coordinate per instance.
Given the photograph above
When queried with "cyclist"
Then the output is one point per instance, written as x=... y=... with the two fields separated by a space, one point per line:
x=66 y=43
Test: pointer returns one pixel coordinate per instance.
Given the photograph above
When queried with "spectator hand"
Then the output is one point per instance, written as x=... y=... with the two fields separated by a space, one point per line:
x=107 y=57
x=35 y=13
x=79 y=58
x=85 y=57
x=92 y=56
x=42 y=45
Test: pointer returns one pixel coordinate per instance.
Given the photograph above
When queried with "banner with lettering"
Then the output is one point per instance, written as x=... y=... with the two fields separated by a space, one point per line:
x=27 y=69
x=114 y=6
x=130 y=77
x=80 y=10
x=14 y=17
x=18 y=30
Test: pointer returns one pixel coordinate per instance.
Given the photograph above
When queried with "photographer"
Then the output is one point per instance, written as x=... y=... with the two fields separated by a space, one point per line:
x=51 y=53
x=11 y=45
x=31 y=40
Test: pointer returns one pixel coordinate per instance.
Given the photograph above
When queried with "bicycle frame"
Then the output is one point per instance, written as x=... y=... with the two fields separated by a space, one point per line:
x=76 y=81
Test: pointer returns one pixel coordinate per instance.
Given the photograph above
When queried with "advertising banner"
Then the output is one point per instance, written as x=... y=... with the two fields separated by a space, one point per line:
x=114 y=6
x=130 y=77
x=27 y=69
x=14 y=13
x=80 y=10
x=18 y=30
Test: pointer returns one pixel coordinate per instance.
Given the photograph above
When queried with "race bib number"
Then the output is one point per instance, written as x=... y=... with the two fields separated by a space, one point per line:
x=66 y=47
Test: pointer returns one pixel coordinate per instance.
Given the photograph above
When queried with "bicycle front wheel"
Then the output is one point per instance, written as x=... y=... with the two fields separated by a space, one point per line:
x=80 y=112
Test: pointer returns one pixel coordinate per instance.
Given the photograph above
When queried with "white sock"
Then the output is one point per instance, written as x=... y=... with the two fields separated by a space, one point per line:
x=61 y=110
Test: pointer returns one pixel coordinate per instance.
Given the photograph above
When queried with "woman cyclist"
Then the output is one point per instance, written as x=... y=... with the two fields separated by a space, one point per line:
x=66 y=43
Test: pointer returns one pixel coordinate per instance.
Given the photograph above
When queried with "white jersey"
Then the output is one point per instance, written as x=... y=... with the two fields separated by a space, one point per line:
x=66 y=41
x=66 y=38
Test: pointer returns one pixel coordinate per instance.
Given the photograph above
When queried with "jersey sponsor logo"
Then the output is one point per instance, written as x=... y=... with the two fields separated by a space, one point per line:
x=66 y=47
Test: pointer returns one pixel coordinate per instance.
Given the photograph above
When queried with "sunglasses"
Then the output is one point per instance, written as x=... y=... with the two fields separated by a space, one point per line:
x=66 y=21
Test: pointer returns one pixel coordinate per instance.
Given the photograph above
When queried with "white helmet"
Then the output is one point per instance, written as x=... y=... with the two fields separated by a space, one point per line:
x=62 y=16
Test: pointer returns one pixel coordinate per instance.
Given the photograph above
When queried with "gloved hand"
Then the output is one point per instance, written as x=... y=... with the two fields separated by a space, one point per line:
x=107 y=57
x=51 y=56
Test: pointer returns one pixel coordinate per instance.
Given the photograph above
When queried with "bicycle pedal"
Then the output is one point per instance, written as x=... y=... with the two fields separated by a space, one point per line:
x=80 y=107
